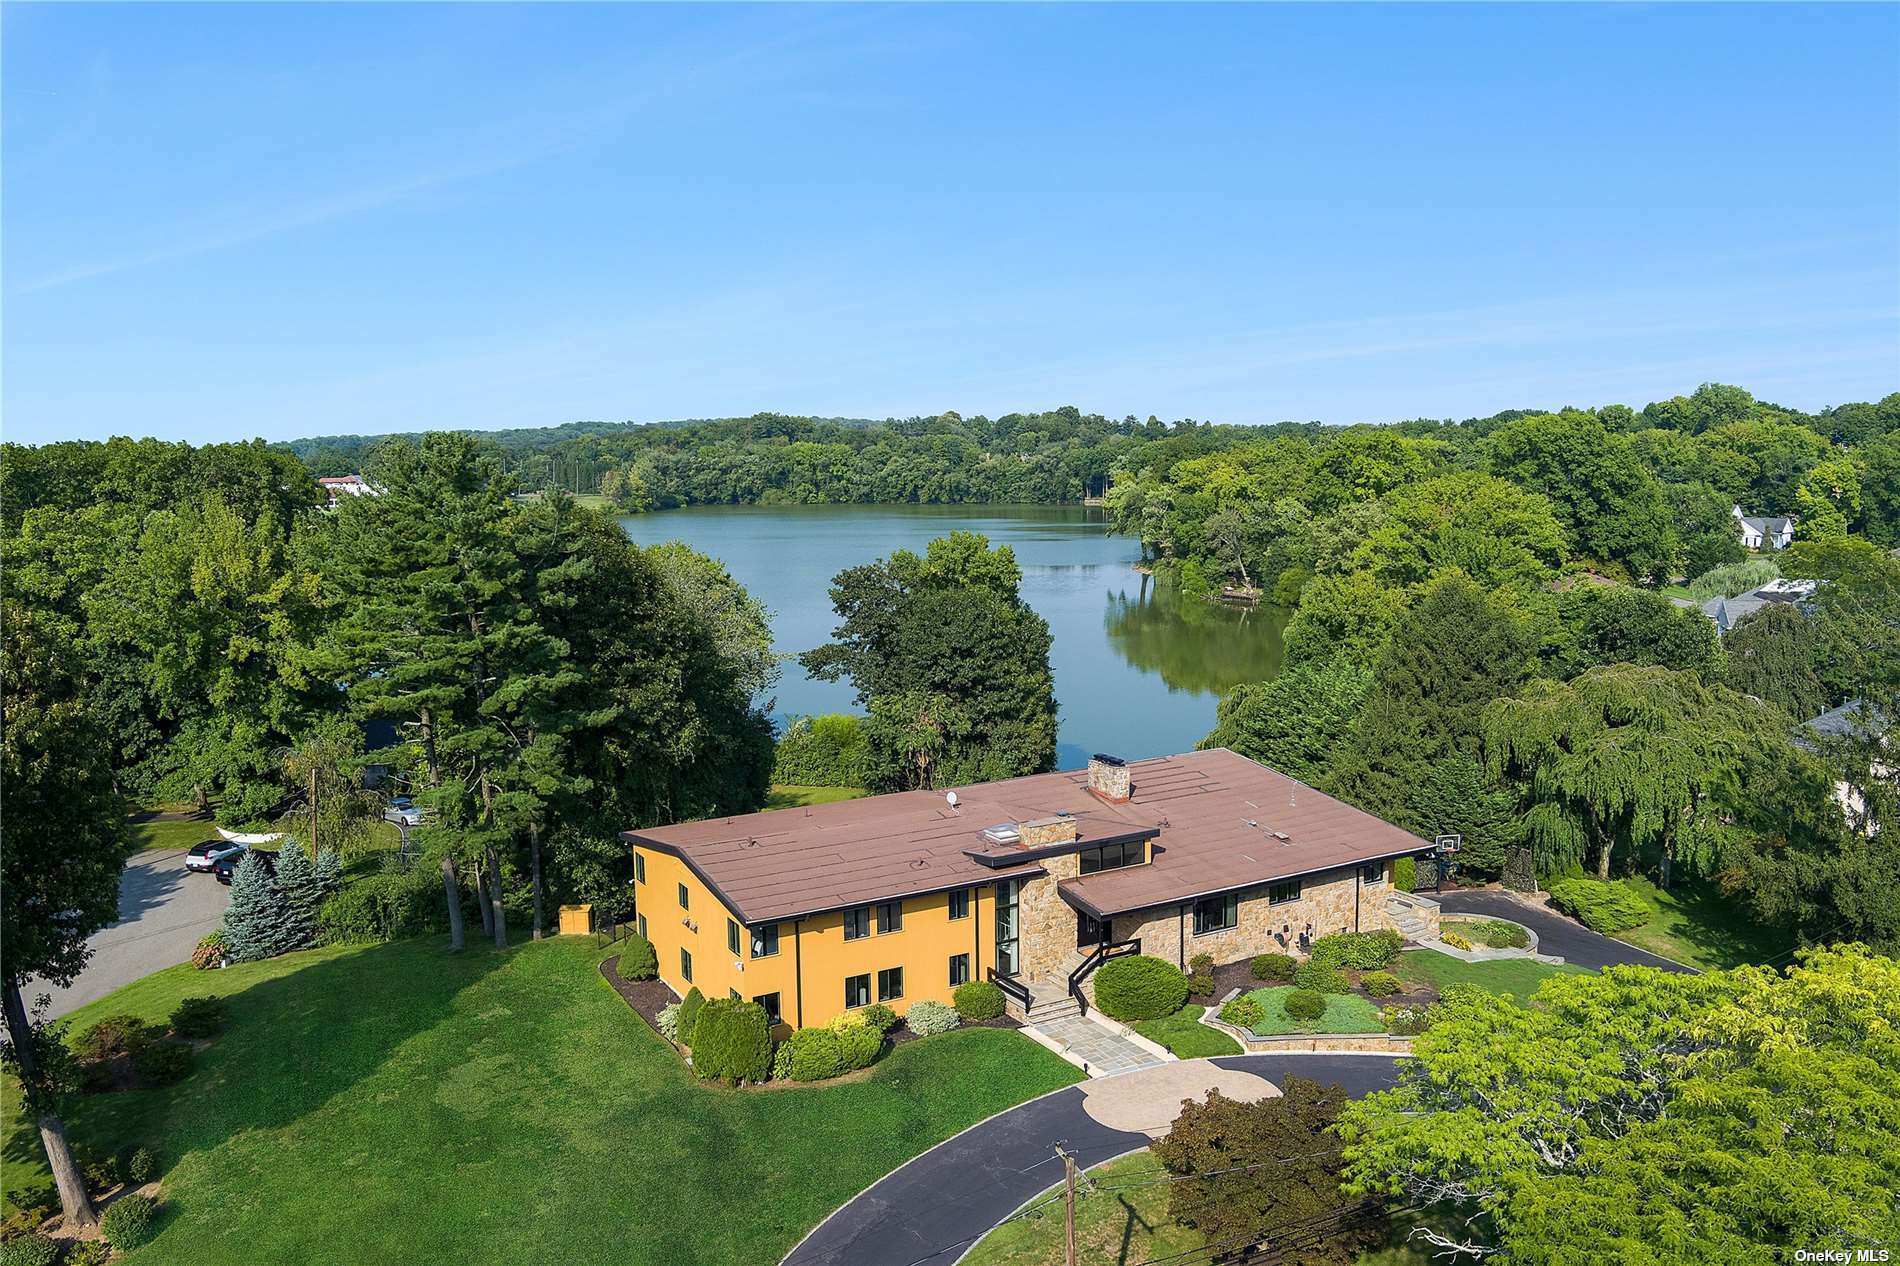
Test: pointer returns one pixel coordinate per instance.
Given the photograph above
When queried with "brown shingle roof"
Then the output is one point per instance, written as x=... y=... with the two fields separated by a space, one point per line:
x=791 y=862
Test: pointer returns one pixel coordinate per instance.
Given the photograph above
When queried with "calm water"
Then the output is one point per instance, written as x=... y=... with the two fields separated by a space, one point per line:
x=1137 y=674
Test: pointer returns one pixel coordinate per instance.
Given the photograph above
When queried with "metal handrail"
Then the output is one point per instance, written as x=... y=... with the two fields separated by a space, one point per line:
x=1013 y=987
x=1102 y=953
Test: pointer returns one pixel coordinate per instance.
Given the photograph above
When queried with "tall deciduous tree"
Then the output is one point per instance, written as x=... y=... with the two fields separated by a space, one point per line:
x=66 y=844
x=1612 y=507
x=1771 y=654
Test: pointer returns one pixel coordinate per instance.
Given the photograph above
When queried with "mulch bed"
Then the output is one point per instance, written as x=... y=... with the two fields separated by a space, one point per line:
x=1239 y=975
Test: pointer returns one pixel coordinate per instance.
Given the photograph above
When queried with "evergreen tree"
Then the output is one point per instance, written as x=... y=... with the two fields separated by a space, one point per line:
x=1456 y=652
x=329 y=873
x=254 y=921
x=1295 y=722
x=297 y=886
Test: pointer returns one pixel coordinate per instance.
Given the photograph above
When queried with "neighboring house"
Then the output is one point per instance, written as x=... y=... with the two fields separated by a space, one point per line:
x=1727 y=611
x=1851 y=719
x=814 y=911
x=338 y=487
x=1758 y=532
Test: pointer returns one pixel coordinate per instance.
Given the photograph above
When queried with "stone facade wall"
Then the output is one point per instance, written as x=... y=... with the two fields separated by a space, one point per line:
x=1048 y=922
x=1057 y=830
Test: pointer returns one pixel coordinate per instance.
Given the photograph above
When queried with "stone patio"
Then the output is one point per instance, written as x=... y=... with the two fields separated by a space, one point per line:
x=1100 y=1052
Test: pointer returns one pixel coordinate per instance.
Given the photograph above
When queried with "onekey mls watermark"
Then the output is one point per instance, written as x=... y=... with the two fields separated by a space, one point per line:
x=1842 y=1256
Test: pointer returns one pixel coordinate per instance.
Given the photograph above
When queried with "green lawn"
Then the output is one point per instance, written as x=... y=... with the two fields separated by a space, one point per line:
x=171 y=836
x=398 y=1104
x=1697 y=925
x=1185 y=1035
x=785 y=795
x=1345 y=1013
x=1518 y=977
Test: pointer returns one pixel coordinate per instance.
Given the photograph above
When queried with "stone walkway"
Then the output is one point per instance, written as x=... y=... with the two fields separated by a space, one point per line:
x=1103 y=1054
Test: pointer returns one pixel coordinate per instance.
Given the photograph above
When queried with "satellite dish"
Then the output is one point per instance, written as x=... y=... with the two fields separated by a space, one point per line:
x=951 y=797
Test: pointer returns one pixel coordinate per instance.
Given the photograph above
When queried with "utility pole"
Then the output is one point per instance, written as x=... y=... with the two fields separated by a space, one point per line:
x=313 y=813
x=1068 y=1203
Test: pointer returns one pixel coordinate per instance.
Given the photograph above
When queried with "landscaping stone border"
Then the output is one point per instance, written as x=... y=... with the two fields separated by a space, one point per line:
x=1337 y=1043
x=1486 y=954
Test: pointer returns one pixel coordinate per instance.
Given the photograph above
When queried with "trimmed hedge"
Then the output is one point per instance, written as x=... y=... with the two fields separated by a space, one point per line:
x=879 y=1017
x=1379 y=984
x=690 y=1007
x=1317 y=976
x=128 y=1223
x=1278 y=968
x=829 y=1050
x=1305 y=1004
x=1405 y=874
x=1607 y=907
x=1201 y=975
x=1139 y=987
x=1361 y=951
x=927 y=1018
x=732 y=1040
x=978 y=999
x=638 y=961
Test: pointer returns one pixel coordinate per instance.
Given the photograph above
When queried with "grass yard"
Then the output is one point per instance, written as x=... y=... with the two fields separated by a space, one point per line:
x=1345 y=1013
x=170 y=836
x=1185 y=1035
x=1518 y=977
x=397 y=1104
x=1697 y=925
x=785 y=795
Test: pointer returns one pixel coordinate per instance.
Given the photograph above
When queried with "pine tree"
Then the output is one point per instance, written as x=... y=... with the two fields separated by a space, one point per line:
x=254 y=921
x=297 y=885
x=329 y=872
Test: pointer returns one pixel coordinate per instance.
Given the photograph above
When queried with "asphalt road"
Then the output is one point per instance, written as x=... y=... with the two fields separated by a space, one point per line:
x=1555 y=934
x=930 y=1210
x=163 y=910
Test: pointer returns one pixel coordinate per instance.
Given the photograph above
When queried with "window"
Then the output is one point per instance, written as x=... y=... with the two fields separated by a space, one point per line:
x=890 y=917
x=683 y=902
x=733 y=994
x=890 y=984
x=857 y=990
x=1372 y=873
x=1280 y=894
x=1113 y=856
x=1215 y=914
x=686 y=965
x=732 y=937
x=639 y=868
x=640 y=920
x=770 y=1002
x=959 y=969
x=960 y=904
x=765 y=941
x=857 y=922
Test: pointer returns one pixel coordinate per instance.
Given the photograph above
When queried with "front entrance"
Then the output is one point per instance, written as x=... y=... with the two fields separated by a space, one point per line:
x=1008 y=929
x=1089 y=931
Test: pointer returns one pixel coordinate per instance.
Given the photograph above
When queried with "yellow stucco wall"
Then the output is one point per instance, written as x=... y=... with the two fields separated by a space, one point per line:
x=813 y=950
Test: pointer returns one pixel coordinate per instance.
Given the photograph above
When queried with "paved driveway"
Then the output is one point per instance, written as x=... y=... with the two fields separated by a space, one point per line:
x=929 y=1211
x=163 y=910
x=1555 y=934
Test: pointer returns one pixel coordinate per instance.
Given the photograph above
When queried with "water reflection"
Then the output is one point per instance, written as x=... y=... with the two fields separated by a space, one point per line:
x=1203 y=647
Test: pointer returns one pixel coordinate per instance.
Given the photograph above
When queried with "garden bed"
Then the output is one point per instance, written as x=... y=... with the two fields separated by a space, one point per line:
x=1345 y=1013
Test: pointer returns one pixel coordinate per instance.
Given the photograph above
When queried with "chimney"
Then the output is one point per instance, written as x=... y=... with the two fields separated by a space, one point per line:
x=1056 y=830
x=1108 y=778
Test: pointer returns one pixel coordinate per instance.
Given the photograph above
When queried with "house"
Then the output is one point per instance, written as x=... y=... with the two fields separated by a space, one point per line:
x=337 y=487
x=1773 y=532
x=1031 y=881
x=1853 y=719
x=1726 y=612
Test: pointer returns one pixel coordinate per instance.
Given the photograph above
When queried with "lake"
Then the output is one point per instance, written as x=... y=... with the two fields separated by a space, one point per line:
x=1137 y=673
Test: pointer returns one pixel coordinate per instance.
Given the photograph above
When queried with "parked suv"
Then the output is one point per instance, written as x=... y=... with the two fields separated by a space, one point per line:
x=203 y=857
x=226 y=866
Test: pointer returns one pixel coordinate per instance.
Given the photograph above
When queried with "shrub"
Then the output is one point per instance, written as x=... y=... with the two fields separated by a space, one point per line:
x=128 y=1223
x=858 y=1042
x=822 y=751
x=1244 y=1013
x=385 y=906
x=111 y=1037
x=1380 y=984
x=978 y=999
x=1319 y=977
x=198 y=1017
x=732 y=1040
x=1406 y=1021
x=87 y=1253
x=209 y=952
x=809 y=1055
x=99 y=1169
x=637 y=959
x=690 y=1007
x=879 y=1017
x=1305 y=1004
x=1499 y=934
x=29 y=1250
x=1361 y=951
x=1603 y=907
x=162 y=1063
x=927 y=1018
x=669 y=1021
x=141 y=1166
x=1455 y=941
x=1201 y=975
x=1274 y=967
x=1139 y=987
x=1405 y=874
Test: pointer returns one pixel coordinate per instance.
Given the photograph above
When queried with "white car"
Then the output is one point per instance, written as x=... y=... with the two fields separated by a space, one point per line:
x=202 y=857
x=403 y=812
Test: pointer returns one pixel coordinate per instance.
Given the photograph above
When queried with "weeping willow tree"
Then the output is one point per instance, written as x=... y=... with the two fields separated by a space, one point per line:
x=1629 y=759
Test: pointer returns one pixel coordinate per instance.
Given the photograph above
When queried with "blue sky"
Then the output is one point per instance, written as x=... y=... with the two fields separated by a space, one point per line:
x=281 y=220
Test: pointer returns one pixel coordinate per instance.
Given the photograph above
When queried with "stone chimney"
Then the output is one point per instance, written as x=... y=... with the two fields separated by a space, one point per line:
x=1108 y=778
x=1056 y=830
